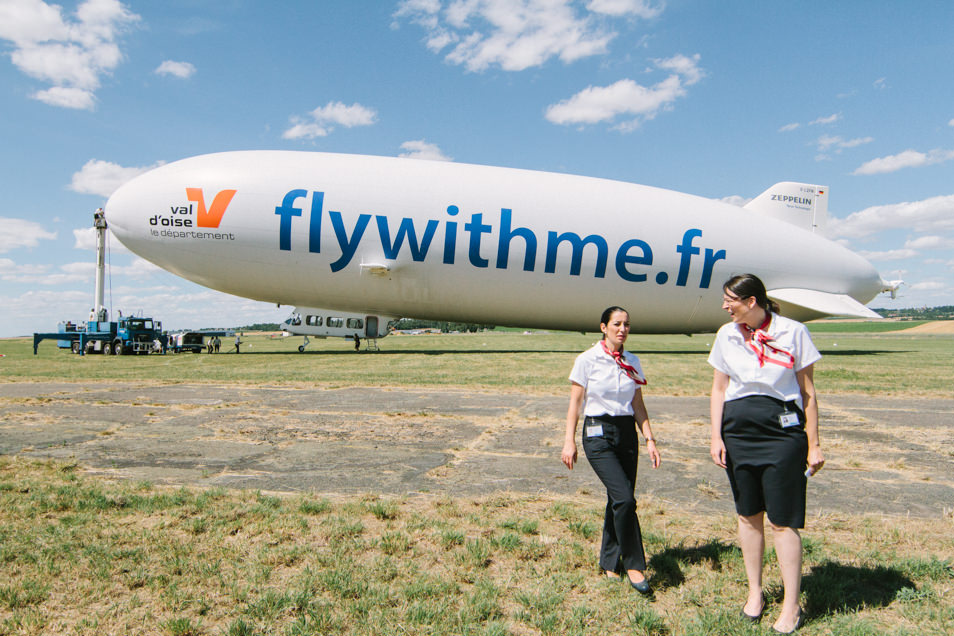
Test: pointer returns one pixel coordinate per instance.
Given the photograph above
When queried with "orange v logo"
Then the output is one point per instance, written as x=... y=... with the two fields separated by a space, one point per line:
x=213 y=216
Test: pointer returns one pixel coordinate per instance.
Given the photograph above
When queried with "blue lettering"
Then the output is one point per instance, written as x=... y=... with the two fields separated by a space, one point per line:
x=686 y=250
x=450 y=236
x=631 y=253
x=314 y=228
x=711 y=259
x=286 y=212
x=576 y=259
x=624 y=258
x=506 y=235
x=348 y=246
x=418 y=252
x=476 y=227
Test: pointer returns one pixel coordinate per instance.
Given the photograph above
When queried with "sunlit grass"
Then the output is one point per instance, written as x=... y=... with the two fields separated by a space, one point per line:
x=83 y=555
x=675 y=365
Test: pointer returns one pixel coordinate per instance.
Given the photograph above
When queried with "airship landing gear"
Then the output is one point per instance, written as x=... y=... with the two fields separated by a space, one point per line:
x=301 y=348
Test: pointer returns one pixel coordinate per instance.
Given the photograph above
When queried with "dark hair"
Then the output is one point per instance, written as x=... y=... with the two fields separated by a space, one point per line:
x=746 y=285
x=609 y=311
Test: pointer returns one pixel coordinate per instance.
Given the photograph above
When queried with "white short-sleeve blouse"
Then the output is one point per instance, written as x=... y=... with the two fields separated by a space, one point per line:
x=732 y=356
x=607 y=388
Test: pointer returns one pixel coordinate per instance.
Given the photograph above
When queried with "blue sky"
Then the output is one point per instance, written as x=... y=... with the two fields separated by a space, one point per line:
x=719 y=99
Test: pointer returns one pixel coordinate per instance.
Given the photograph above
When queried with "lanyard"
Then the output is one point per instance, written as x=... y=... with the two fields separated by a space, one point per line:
x=628 y=369
x=759 y=340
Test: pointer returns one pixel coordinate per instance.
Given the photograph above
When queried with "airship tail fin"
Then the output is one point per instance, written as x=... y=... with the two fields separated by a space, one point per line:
x=823 y=303
x=801 y=204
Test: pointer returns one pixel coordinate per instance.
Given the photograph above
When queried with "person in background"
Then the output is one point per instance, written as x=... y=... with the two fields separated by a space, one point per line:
x=606 y=383
x=764 y=432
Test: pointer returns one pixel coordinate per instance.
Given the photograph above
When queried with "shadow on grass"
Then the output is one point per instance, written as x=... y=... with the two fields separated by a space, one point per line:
x=667 y=564
x=857 y=352
x=835 y=588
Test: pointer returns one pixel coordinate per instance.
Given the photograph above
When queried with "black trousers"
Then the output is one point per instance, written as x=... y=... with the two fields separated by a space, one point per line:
x=613 y=455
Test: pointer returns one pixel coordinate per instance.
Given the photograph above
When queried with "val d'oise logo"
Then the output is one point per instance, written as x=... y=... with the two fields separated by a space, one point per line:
x=212 y=216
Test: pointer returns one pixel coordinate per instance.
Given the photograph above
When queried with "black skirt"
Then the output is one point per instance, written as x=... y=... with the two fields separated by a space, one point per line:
x=766 y=462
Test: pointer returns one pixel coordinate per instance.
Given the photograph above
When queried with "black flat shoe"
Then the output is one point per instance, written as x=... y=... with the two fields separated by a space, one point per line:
x=642 y=587
x=798 y=623
x=757 y=617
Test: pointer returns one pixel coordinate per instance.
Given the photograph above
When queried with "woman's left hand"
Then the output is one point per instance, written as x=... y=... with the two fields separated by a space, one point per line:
x=653 y=453
x=815 y=459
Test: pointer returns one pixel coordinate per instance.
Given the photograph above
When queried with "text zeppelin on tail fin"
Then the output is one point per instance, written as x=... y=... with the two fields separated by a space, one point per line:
x=805 y=205
x=385 y=236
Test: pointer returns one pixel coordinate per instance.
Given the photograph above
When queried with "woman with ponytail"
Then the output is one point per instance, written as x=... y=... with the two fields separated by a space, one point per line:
x=606 y=383
x=764 y=432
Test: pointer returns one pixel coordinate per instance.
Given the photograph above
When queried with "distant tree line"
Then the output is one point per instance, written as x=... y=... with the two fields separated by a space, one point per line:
x=260 y=326
x=445 y=327
x=945 y=312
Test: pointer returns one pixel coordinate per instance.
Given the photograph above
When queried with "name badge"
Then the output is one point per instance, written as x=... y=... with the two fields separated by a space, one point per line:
x=595 y=430
x=788 y=419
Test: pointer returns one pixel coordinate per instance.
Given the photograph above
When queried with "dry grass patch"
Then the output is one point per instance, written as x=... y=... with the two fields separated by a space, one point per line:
x=84 y=555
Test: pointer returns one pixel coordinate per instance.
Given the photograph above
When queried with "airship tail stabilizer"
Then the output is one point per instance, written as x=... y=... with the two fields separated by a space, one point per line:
x=801 y=204
x=822 y=302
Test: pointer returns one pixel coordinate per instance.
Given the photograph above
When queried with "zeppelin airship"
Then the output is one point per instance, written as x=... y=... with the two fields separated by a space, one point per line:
x=383 y=237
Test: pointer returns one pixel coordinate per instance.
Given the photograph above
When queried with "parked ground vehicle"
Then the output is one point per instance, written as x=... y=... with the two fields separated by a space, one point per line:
x=128 y=334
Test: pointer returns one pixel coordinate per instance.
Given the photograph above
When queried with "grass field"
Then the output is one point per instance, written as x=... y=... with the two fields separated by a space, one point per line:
x=86 y=555
x=862 y=362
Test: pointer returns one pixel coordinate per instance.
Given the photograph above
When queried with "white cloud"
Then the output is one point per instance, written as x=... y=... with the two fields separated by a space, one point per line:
x=103 y=177
x=22 y=233
x=139 y=269
x=951 y=123
x=928 y=286
x=515 y=35
x=889 y=255
x=790 y=127
x=68 y=274
x=638 y=8
x=321 y=121
x=907 y=159
x=932 y=242
x=421 y=149
x=626 y=98
x=880 y=83
x=70 y=54
x=66 y=97
x=829 y=142
x=736 y=200
x=934 y=215
x=182 y=70
x=831 y=119
x=85 y=239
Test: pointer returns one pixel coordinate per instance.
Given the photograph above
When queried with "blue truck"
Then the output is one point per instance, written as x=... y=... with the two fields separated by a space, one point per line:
x=127 y=335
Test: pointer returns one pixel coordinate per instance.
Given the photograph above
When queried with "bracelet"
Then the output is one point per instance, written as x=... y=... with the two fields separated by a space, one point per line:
x=651 y=439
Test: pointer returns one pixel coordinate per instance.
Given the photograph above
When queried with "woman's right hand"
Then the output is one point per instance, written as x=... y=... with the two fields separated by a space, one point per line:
x=717 y=450
x=569 y=454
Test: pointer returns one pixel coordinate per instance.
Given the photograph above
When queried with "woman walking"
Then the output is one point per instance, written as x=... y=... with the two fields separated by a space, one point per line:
x=606 y=381
x=764 y=419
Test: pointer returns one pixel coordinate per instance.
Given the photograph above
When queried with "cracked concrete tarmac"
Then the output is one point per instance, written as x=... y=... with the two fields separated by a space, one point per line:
x=885 y=455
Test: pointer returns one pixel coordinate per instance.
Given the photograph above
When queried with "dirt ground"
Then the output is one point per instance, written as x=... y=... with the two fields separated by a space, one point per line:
x=936 y=327
x=892 y=457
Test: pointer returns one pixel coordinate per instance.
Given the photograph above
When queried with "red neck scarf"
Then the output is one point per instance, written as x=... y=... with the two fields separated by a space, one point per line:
x=761 y=343
x=628 y=369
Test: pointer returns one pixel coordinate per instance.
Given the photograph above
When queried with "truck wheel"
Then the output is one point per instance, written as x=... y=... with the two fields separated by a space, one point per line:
x=107 y=349
x=301 y=348
x=118 y=348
